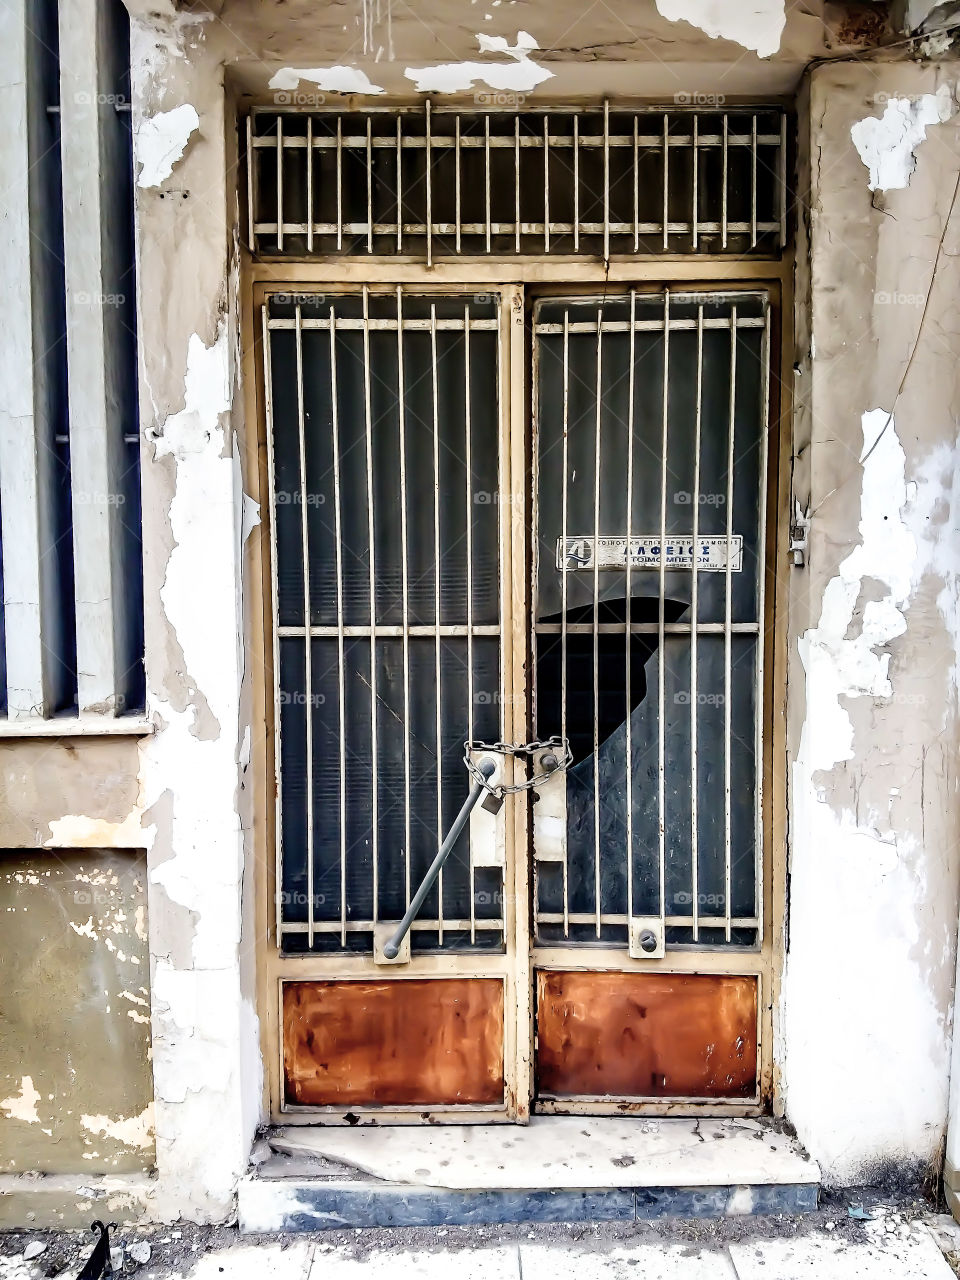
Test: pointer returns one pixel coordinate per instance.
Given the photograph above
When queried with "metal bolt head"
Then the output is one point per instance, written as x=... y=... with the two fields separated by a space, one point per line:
x=648 y=941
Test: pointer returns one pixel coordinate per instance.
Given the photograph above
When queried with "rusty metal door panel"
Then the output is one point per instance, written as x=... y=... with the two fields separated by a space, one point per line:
x=646 y=1035
x=414 y=1042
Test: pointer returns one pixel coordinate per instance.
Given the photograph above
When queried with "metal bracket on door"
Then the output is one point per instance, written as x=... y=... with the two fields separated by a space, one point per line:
x=482 y=772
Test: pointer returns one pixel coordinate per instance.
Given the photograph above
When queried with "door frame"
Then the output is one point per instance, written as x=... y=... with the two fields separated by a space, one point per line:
x=512 y=280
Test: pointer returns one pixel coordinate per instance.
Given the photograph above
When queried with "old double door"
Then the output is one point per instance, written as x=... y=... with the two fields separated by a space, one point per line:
x=498 y=518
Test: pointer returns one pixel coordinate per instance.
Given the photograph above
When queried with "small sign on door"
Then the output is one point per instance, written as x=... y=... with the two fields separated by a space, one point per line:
x=706 y=554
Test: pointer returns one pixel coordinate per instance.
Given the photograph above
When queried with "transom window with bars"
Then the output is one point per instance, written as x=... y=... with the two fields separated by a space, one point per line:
x=437 y=182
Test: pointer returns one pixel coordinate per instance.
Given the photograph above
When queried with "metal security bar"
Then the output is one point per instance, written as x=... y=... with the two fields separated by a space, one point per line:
x=384 y=470
x=650 y=415
x=434 y=182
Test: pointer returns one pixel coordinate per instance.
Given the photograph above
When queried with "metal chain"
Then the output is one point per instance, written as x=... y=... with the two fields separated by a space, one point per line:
x=560 y=746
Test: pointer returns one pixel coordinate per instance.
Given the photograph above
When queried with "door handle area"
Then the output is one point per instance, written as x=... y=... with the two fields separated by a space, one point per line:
x=487 y=767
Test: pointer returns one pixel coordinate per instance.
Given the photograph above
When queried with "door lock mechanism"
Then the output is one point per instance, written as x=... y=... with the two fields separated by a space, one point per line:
x=647 y=941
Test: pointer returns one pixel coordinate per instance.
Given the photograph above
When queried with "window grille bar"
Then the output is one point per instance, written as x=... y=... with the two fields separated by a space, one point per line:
x=422 y=924
x=694 y=618
x=400 y=184
x=532 y=228
x=429 y=184
x=727 y=632
x=694 y=207
x=576 y=184
x=438 y=675
x=371 y=536
x=546 y=185
x=516 y=181
x=666 y=183
x=620 y=918
x=761 y=596
x=504 y=142
x=725 y=188
x=563 y=626
x=596 y=619
x=468 y=466
x=676 y=324
x=310 y=186
x=370 y=185
x=280 y=184
x=753 y=184
x=486 y=172
x=627 y=630
x=457 y=187
x=308 y=669
x=636 y=186
x=341 y=679
x=782 y=180
x=346 y=324
x=640 y=628
x=661 y=610
x=606 y=183
x=340 y=184
x=404 y=578
x=277 y=726
x=385 y=630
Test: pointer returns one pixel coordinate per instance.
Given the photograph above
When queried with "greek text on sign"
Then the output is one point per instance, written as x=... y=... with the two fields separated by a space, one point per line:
x=678 y=553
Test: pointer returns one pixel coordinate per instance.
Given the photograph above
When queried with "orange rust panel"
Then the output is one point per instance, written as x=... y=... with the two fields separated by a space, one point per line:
x=410 y=1041
x=646 y=1035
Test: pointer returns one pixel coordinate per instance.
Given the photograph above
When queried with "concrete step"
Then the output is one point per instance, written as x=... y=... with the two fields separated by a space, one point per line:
x=556 y=1169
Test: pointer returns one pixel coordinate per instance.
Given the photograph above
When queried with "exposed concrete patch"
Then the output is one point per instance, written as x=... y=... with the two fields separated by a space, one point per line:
x=132 y=1131
x=520 y=74
x=76 y=831
x=161 y=140
x=756 y=24
x=887 y=145
x=338 y=79
x=838 y=665
x=23 y=1106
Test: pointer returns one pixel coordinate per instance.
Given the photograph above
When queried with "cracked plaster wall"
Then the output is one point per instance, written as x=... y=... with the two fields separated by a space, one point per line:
x=866 y=1003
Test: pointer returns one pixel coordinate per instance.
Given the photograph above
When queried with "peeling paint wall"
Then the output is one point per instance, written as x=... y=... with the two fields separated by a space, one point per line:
x=76 y=1092
x=867 y=994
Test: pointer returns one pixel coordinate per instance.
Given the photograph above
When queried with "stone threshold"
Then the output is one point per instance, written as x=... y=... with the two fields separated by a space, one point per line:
x=556 y=1169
